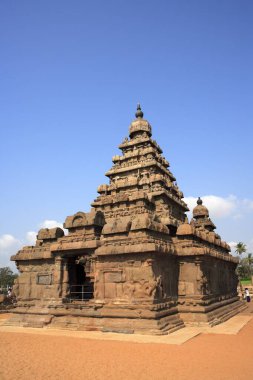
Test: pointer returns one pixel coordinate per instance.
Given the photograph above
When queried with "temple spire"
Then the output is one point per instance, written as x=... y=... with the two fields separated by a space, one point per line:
x=139 y=113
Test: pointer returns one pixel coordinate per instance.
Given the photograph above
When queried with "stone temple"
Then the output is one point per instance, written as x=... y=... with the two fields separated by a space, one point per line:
x=134 y=263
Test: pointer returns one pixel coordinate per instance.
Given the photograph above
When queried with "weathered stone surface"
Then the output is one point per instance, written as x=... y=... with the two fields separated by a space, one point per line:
x=50 y=233
x=133 y=263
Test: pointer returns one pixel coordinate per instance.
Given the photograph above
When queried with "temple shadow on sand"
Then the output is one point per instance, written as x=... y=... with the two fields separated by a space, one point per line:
x=134 y=263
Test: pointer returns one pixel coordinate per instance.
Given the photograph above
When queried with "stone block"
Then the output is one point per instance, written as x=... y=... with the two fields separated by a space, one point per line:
x=110 y=291
x=113 y=277
x=50 y=233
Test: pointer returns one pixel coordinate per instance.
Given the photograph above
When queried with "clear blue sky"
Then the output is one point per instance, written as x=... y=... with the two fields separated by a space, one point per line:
x=71 y=73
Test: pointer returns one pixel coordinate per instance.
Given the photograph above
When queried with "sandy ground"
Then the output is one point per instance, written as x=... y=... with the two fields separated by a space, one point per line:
x=207 y=356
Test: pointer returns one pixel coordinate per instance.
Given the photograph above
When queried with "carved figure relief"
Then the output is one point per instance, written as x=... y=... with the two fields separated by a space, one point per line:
x=204 y=285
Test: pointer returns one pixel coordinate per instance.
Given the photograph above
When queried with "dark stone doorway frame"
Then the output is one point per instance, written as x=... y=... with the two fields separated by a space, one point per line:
x=81 y=284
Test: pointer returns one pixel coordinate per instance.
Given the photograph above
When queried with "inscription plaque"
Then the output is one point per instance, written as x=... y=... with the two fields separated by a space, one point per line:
x=44 y=278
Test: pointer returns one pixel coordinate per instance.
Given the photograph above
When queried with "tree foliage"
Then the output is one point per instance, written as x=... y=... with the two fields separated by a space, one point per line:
x=7 y=277
x=245 y=266
x=240 y=248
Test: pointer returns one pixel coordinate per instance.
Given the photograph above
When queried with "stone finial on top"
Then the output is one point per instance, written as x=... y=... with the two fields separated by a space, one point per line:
x=139 y=114
x=200 y=210
x=139 y=125
x=199 y=201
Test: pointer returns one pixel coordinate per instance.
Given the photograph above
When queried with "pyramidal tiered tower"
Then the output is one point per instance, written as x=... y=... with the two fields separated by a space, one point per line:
x=134 y=263
x=142 y=197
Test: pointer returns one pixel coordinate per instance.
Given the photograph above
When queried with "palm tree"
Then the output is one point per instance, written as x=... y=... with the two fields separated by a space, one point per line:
x=240 y=248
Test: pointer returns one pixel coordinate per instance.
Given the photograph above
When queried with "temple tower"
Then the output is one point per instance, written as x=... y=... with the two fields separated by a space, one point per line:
x=137 y=270
x=140 y=181
x=134 y=263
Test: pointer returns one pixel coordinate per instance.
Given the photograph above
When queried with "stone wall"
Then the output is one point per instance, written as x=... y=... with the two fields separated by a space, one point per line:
x=36 y=280
x=207 y=291
x=139 y=278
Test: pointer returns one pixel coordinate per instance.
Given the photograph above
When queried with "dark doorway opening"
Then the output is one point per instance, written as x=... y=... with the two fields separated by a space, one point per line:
x=81 y=279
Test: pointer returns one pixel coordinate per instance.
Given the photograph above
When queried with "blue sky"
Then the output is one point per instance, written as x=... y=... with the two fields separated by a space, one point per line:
x=71 y=74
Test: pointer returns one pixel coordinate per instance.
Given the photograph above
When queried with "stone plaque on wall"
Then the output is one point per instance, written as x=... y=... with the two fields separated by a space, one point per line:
x=44 y=278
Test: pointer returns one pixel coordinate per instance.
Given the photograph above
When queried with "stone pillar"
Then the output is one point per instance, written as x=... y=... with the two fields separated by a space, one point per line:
x=61 y=277
x=181 y=283
x=188 y=269
x=65 y=279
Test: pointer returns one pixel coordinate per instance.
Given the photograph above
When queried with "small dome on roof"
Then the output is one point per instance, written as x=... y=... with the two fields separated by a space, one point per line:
x=140 y=124
x=200 y=210
x=186 y=229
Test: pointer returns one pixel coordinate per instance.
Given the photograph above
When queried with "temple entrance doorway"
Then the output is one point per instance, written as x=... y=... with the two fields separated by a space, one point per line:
x=81 y=280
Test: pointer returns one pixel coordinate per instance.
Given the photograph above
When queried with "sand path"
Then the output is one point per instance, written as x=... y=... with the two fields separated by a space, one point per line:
x=206 y=356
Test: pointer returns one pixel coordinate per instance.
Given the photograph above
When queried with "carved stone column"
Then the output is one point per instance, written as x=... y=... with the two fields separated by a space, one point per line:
x=61 y=277
x=199 y=288
x=181 y=283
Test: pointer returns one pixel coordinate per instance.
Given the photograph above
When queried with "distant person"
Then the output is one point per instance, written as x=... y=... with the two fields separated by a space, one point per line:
x=247 y=296
x=9 y=293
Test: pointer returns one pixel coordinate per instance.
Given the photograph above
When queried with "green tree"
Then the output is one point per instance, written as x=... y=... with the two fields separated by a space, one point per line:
x=245 y=267
x=7 y=277
x=243 y=270
x=249 y=263
x=240 y=248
